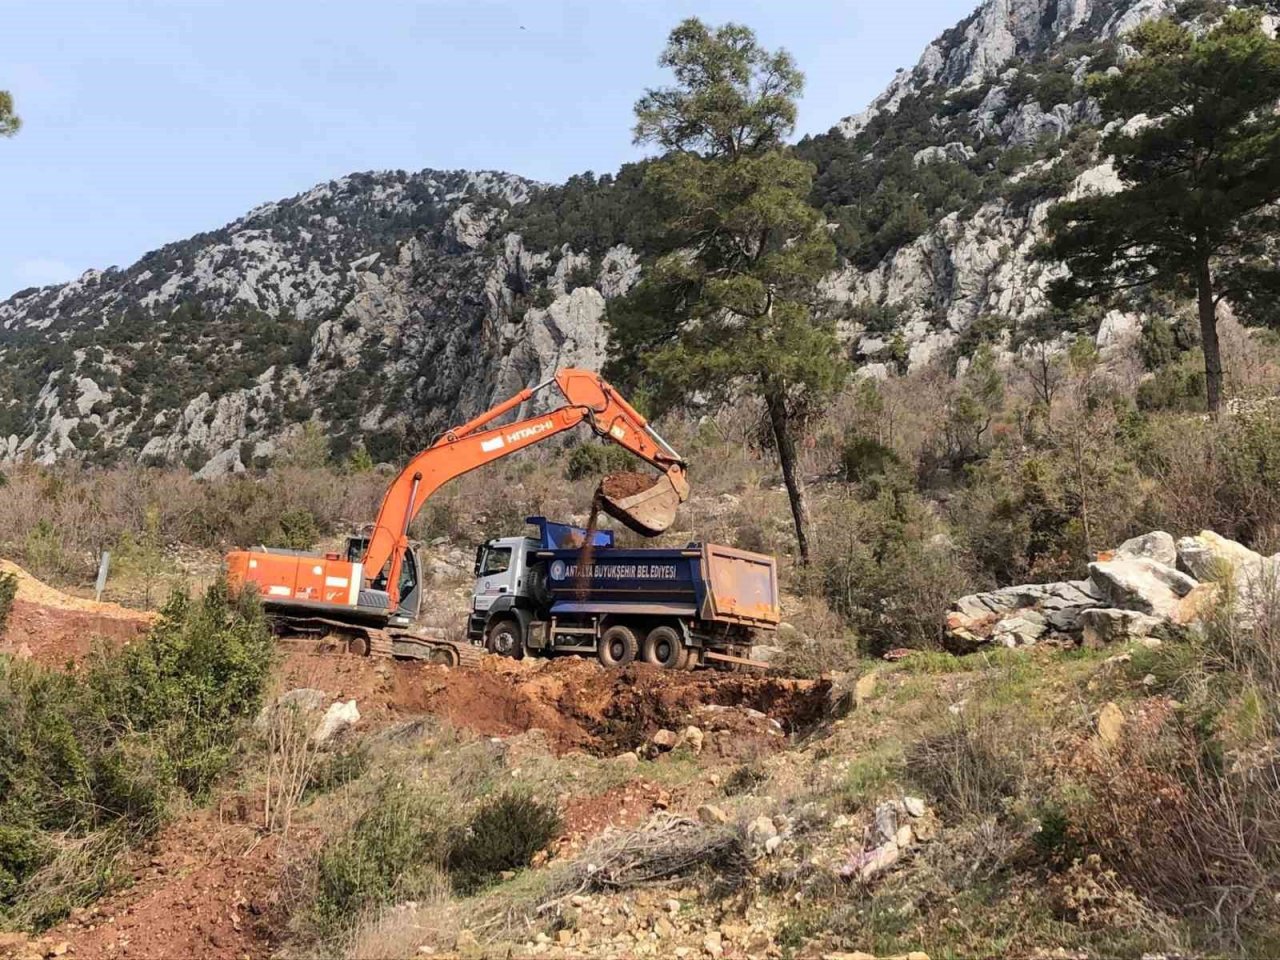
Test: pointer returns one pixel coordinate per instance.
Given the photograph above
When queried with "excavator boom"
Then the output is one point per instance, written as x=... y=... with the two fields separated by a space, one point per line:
x=473 y=444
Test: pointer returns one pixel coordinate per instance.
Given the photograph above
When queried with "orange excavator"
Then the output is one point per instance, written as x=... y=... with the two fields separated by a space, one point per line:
x=369 y=597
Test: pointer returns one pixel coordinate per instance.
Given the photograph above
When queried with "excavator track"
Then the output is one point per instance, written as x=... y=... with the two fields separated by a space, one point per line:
x=323 y=635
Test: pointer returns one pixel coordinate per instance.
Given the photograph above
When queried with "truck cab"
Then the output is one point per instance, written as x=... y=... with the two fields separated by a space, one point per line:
x=504 y=570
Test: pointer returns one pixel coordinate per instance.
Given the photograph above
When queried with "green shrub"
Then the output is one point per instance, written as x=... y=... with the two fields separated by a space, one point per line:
x=862 y=458
x=297 y=530
x=8 y=592
x=589 y=460
x=503 y=834
x=392 y=853
x=89 y=762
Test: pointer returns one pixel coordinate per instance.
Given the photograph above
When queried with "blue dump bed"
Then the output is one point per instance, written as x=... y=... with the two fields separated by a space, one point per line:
x=705 y=581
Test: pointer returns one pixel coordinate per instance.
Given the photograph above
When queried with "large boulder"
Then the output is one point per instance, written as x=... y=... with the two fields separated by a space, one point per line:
x=1102 y=626
x=1157 y=546
x=1208 y=556
x=1141 y=584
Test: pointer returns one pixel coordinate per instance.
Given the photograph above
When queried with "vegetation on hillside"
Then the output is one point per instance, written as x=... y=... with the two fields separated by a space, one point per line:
x=92 y=762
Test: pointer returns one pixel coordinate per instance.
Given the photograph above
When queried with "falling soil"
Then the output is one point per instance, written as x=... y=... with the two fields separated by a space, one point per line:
x=586 y=555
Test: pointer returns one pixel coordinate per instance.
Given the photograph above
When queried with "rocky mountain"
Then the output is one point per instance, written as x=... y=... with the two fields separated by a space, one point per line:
x=386 y=305
x=377 y=304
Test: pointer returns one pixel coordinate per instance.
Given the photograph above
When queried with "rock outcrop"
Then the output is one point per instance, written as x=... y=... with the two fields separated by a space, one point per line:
x=1146 y=587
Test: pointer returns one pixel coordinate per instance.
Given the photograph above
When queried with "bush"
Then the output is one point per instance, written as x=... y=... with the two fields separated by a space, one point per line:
x=503 y=834
x=8 y=592
x=888 y=569
x=91 y=761
x=392 y=853
x=297 y=530
x=862 y=458
x=589 y=460
x=967 y=768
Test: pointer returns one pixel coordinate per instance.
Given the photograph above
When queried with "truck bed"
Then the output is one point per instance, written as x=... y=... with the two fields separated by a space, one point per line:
x=709 y=581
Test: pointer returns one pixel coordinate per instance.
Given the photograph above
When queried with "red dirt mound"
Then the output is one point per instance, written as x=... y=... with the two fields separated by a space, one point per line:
x=55 y=628
x=204 y=889
x=576 y=702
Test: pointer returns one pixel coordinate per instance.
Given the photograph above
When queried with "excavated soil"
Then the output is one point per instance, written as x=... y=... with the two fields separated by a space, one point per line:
x=619 y=486
x=57 y=629
x=577 y=703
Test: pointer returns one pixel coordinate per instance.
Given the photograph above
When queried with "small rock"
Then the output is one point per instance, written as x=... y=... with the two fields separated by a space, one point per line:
x=1157 y=546
x=1103 y=626
x=713 y=944
x=690 y=737
x=564 y=937
x=1110 y=723
x=672 y=906
x=628 y=759
x=712 y=815
x=337 y=718
x=864 y=689
x=663 y=740
x=682 y=952
x=904 y=837
x=914 y=806
x=59 y=949
x=761 y=829
x=772 y=844
x=879 y=860
x=886 y=821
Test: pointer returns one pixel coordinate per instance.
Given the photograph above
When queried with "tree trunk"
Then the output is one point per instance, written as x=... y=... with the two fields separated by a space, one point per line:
x=1209 y=335
x=785 y=442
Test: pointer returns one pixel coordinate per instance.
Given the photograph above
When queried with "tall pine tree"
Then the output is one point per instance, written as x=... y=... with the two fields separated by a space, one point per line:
x=1196 y=213
x=728 y=311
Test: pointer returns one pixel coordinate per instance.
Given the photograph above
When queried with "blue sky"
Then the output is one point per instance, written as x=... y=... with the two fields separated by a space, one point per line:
x=146 y=122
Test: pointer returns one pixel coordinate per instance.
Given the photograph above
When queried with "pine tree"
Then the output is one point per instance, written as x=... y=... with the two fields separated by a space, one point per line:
x=1200 y=179
x=728 y=310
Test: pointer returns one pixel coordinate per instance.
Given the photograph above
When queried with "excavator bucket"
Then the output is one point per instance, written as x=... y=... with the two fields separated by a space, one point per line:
x=637 y=501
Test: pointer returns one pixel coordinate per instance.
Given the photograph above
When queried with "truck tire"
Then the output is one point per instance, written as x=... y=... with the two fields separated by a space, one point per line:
x=503 y=637
x=664 y=648
x=618 y=646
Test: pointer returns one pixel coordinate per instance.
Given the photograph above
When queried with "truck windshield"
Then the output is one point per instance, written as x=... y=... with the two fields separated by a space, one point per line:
x=496 y=560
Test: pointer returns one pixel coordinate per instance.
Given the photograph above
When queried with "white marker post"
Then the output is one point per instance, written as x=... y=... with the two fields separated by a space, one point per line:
x=103 y=564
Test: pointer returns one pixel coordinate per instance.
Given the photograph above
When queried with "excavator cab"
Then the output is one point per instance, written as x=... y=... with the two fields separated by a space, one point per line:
x=410 y=579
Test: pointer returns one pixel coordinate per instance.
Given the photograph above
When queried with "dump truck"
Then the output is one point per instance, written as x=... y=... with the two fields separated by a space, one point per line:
x=368 y=596
x=573 y=590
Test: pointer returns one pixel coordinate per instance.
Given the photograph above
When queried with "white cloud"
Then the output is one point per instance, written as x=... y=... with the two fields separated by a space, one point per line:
x=38 y=271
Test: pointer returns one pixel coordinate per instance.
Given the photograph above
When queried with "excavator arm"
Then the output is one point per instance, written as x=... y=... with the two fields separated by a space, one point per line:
x=462 y=449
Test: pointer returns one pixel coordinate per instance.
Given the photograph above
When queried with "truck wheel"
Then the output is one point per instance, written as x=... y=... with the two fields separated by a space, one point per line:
x=618 y=646
x=503 y=638
x=663 y=648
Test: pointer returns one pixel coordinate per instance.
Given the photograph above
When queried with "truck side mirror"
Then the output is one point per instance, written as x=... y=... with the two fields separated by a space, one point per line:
x=479 y=559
